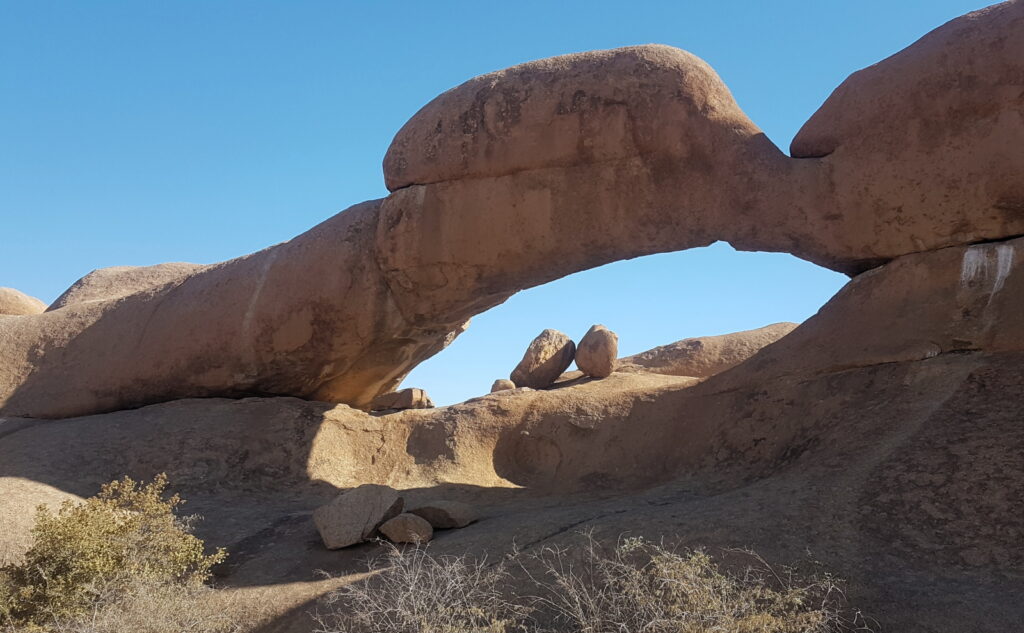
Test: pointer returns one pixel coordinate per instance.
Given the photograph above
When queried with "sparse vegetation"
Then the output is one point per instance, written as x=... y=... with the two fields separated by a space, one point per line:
x=636 y=587
x=642 y=586
x=412 y=591
x=105 y=559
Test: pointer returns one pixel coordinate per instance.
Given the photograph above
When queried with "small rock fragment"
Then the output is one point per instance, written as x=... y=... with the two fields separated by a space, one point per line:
x=502 y=384
x=597 y=352
x=354 y=515
x=411 y=398
x=443 y=515
x=407 y=528
x=544 y=361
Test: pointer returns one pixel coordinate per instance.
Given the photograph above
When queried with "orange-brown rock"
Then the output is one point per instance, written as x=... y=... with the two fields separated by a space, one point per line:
x=354 y=515
x=259 y=324
x=547 y=356
x=923 y=149
x=597 y=352
x=502 y=384
x=407 y=528
x=121 y=281
x=630 y=152
x=705 y=356
x=14 y=302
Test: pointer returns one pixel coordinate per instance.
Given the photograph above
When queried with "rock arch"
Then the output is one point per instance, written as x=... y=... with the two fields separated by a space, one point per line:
x=525 y=175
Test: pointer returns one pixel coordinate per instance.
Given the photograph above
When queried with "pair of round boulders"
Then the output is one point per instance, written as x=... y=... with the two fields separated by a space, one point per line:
x=360 y=514
x=551 y=353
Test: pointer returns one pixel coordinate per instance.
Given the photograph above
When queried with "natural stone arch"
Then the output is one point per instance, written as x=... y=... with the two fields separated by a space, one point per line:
x=526 y=175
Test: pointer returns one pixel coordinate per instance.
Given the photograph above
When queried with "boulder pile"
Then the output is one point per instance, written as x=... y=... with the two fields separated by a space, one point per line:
x=371 y=510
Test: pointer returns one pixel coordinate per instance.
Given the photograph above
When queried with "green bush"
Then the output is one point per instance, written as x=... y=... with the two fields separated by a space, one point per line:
x=85 y=553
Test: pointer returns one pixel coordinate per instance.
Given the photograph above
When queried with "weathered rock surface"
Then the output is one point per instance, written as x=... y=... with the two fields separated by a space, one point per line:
x=407 y=528
x=444 y=514
x=256 y=325
x=353 y=516
x=926 y=144
x=120 y=281
x=14 y=302
x=410 y=398
x=704 y=356
x=597 y=352
x=502 y=384
x=545 y=359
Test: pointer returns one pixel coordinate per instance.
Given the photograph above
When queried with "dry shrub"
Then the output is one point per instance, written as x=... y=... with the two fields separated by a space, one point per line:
x=635 y=587
x=642 y=586
x=411 y=591
x=95 y=557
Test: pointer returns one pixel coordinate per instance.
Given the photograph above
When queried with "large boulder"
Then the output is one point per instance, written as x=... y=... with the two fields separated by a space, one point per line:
x=547 y=356
x=924 y=149
x=14 y=302
x=121 y=281
x=597 y=352
x=353 y=516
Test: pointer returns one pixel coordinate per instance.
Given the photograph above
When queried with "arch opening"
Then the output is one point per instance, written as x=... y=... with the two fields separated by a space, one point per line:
x=648 y=301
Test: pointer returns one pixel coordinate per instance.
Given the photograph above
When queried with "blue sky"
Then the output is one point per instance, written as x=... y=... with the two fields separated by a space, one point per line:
x=138 y=132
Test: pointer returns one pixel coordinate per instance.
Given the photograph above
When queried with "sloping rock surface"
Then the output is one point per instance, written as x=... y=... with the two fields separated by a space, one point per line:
x=16 y=303
x=121 y=281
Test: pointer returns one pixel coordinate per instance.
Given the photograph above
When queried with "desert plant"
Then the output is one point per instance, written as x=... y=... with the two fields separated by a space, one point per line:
x=639 y=586
x=85 y=553
x=412 y=591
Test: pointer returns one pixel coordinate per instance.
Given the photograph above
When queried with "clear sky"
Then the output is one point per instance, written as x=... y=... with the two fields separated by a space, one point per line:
x=142 y=131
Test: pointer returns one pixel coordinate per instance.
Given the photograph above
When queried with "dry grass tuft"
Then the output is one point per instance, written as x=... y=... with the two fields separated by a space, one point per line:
x=642 y=586
x=412 y=591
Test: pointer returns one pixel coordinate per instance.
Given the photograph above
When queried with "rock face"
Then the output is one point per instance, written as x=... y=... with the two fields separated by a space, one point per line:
x=355 y=515
x=597 y=352
x=545 y=359
x=632 y=151
x=443 y=515
x=704 y=356
x=942 y=114
x=16 y=303
x=407 y=528
x=411 y=398
x=121 y=281
x=502 y=384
